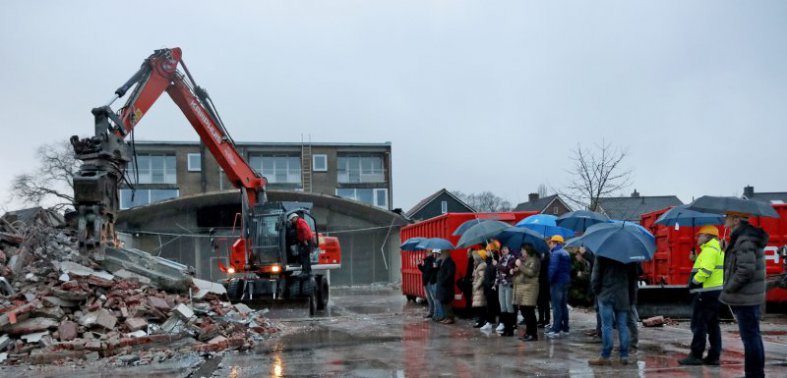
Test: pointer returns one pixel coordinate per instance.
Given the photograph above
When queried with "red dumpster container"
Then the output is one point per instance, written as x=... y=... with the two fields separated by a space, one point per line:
x=671 y=264
x=443 y=226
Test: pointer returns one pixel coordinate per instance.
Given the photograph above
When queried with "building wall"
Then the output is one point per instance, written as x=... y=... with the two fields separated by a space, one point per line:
x=556 y=208
x=210 y=178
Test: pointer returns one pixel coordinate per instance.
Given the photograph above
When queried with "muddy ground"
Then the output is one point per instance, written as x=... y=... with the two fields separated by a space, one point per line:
x=373 y=332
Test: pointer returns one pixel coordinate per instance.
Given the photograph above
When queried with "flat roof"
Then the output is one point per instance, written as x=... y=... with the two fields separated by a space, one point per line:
x=265 y=144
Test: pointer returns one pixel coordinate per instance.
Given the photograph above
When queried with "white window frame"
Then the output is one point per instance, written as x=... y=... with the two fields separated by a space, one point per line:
x=191 y=168
x=293 y=175
x=443 y=207
x=147 y=192
x=375 y=193
x=325 y=164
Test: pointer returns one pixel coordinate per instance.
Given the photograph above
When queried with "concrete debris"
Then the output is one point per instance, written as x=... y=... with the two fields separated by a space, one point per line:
x=58 y=307
x=184 y=311
x=34 y=337
x=656 y=321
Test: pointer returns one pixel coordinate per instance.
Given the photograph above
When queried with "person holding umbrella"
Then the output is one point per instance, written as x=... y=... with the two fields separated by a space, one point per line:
x=479 y=299
x=427 y=268
x=525 y=280
x=490 y=289
x=744 y=286
x=706 y=284
x=505 y=271
x=445 y=285
x=611 y=281
x=559 y=282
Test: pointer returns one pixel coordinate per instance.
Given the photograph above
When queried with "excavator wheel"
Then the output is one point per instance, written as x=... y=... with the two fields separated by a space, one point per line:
x=323 y=295
x=313 y=304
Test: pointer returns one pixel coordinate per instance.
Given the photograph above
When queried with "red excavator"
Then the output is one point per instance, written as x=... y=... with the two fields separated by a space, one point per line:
x=262 y=262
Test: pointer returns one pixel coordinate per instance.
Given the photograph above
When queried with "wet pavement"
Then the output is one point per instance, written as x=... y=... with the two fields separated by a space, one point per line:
x=373 y=332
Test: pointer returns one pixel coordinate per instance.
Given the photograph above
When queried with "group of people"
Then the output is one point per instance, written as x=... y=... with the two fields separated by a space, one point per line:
x=500 y=282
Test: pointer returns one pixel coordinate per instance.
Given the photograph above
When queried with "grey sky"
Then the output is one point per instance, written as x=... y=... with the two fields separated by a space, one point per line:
x=473 y=95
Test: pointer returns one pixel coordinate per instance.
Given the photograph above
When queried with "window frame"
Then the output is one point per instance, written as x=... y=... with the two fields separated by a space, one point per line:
x=314 y=163
x=189 y=167
x=443 y=207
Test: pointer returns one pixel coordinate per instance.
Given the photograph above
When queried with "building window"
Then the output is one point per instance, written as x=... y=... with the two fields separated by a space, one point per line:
x=555 y=210
x=360 y=169
x=194 y=162
x=145 y=196
x=153 y=169
x=443 y=207
x=374 y=197
x=320 y=163
x=278 y=169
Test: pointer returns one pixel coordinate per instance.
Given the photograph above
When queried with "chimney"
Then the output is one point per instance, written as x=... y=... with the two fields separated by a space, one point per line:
x=532 y=197
x=748 y=191
x=635 y=194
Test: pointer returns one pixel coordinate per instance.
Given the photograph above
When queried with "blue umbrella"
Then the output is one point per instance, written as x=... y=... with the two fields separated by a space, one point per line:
x=580 y=220
x=641 y=229
x=410 y=244
x=546 y=225
x=435 y=243
x=622 y=242
x=466 y=226
x=682 y=215
x=515 y=237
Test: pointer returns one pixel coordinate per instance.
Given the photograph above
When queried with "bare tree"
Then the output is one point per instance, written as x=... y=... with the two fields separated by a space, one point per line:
x=542 y=191
x=596 y=173
x=484 y=201
x=52 y=182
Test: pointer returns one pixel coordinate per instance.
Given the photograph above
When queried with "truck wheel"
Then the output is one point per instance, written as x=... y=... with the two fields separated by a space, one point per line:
x=234 y=290
x=323 y=293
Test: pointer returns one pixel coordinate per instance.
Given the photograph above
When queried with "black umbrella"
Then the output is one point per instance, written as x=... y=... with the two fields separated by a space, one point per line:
x=481 y=232
x=466 y=226
x=580 y=220
x=723 y=205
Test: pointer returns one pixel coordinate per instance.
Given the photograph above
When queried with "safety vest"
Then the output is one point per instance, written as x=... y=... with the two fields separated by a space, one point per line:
x=709 y=267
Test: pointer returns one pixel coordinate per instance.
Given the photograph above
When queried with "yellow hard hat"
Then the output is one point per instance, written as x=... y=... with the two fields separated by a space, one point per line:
x=493 y=246
x=557 y=239
x=482 y=254
x=709 y=230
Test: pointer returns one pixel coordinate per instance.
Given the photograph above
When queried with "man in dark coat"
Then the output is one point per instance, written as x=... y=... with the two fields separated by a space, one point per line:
x=427 y=271
x=445 y=285
x=490 y=291
x=612 y=285
x=744 y=287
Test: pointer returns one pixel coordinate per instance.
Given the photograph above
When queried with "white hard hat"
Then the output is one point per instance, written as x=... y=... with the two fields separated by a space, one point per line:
x=292 y=216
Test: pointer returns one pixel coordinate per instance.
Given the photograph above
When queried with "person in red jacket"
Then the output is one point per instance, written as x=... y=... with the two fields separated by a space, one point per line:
x=304 y=239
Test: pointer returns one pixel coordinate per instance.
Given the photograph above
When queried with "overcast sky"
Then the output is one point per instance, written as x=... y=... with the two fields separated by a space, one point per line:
x=473 y=96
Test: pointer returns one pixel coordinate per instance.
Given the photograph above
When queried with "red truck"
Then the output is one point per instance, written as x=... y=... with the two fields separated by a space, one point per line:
x=667 y=275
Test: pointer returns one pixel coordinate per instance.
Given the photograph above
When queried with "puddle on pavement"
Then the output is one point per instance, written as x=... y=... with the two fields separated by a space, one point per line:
x=320 y=338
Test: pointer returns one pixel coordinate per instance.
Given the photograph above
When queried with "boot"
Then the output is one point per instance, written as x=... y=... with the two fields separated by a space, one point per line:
x=510 y=320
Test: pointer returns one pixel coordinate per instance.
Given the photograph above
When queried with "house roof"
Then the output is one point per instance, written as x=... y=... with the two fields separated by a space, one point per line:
x=630 y=208
x=539 y=204
x=421 y=204
x=770 y=197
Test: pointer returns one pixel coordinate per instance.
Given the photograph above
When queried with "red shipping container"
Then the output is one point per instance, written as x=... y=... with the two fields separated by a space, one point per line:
x=671 y=264
x=443 y=226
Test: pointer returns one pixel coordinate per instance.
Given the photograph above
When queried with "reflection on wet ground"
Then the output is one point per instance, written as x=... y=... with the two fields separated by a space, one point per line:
x=375 y=333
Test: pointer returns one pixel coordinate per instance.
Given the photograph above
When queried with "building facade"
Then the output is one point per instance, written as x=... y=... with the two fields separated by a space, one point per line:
x=439 y=203
x=356 y=171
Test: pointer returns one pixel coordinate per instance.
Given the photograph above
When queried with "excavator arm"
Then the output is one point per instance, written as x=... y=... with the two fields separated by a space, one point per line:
x=106 y=154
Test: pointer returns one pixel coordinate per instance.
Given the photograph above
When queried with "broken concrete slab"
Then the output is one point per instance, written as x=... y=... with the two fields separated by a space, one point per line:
x=31 y=325
x=173 y=325
x=75 y=269
x=183 y=311
x=163 y=273
x=5 y=341
x=126 y=275
x=138 y=333
x=134 y=324
x=71 y=295
x=158 y=303
x=106 y=319
x=207 y=287
x=34 y=337
x=55 y=301
x=67 y=331
x=242 y=309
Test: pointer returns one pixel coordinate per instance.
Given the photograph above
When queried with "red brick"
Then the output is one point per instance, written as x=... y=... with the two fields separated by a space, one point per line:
x=67 y=331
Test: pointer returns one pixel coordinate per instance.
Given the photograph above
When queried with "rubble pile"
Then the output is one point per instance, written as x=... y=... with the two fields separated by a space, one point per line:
x=54 y=308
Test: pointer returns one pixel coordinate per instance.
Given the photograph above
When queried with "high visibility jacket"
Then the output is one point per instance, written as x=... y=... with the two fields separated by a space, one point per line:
x=708 y=269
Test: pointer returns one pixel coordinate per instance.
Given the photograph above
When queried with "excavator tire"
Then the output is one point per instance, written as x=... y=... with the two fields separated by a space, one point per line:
x=323 y=294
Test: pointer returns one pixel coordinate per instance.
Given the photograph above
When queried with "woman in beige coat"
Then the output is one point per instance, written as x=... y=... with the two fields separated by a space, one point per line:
x=479 y=299
x=526 y=289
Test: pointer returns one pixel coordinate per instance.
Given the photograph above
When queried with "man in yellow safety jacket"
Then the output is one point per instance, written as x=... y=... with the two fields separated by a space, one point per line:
x=707 y=278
